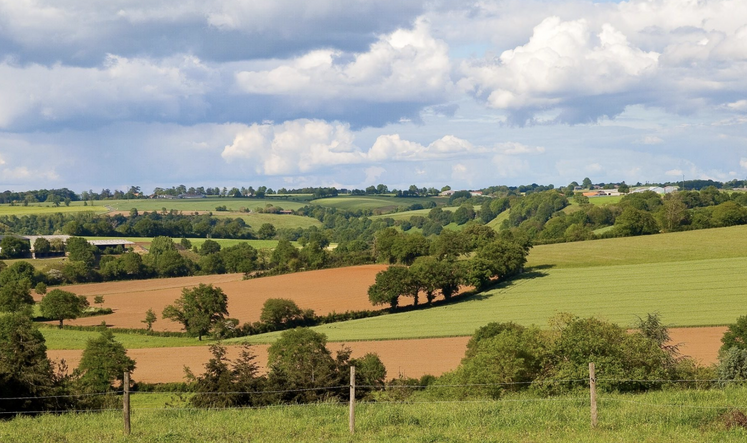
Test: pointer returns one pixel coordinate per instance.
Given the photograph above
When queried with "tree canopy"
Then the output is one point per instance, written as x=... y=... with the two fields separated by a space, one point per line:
x=198 y=309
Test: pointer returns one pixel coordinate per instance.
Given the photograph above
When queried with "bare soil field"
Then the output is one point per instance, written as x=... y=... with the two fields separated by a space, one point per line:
x=340 y=290
x=411 y=358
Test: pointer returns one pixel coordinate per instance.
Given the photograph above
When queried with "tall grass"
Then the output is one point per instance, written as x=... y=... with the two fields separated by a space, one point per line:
x=681 y=416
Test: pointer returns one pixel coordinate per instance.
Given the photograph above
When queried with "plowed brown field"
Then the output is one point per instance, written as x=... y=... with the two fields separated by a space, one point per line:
x=340 y=290
x=411 y=358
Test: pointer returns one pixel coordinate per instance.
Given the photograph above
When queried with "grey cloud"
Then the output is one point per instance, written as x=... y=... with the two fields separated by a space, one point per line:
x=83 y=32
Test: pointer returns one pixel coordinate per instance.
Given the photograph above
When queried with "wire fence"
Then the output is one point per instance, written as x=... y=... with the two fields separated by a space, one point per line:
x=591 y=400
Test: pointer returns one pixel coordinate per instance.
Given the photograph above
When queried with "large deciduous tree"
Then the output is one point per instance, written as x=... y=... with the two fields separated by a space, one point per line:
x=198 y=309
x=62 y=305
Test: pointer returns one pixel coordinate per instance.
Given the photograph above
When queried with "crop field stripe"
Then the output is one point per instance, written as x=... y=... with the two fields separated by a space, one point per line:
x=695 y=293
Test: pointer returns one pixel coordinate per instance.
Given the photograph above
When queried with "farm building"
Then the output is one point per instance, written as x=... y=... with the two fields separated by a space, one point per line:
x=658 y=189
x=101 y=244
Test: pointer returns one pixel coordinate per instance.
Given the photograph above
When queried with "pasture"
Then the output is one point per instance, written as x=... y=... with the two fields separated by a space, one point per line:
x=187 y=205
x=48 y=208
x=663 y=416
x=686 y=293
x=280 y=221
x=379 y=202
x=718 y=243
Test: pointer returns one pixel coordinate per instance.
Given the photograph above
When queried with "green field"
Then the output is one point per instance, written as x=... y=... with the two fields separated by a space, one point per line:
x=48 y=208
x=280 y=221
x=665 y=416
x=405 y=215
x=70 y=339
x=677 y=246
x=695 y=293
x=498 y=220
x=197 y=204
x=38 y=264
x=691 y=278
x=599 y=201
x=381 y=203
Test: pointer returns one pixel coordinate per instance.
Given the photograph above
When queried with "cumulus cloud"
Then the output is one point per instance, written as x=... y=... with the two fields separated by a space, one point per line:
x=300 y=146
x=561 y=61
x=743 y=163
x=294 y=146
x=392 y=147
x=407 y=64
x=121 y=89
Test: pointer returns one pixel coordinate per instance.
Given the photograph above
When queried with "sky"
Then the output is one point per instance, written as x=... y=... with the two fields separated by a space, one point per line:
x=351 y=93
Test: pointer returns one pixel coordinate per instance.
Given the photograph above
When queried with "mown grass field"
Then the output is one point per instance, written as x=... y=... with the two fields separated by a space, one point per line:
x=38 y=264
x=498 y=220
x=196 y=204
x=651 y=417
x=48 y=208
x=280 y=221
x=599 y=201
x=695 y=293
x=677 y=246
x=70 y=339
x=381 y=203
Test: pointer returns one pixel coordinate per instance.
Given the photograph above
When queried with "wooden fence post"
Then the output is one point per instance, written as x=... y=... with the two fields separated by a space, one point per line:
x=352 y=399
x=126 y=402
x=593 y=394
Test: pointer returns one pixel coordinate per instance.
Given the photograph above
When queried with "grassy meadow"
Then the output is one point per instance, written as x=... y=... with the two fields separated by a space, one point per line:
x=665 y=416
x=48 y=208
x=719 y=243
x=70 y=339
x=381 y=203
x=255 y=220
x=695 y=293
x=691 y=278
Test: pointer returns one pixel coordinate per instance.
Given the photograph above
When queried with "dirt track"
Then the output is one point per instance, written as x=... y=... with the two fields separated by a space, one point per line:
x=411 y=358
x=340 y=290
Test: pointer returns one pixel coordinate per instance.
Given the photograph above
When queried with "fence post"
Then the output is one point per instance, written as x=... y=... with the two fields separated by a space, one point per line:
x=352 y=399
x=593 y=393
x=126 y=402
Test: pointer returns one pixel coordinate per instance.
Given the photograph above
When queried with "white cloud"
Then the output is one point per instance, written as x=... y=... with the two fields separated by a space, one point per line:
x=561 y=60
x=2 y=161
x=392 y=147
x=120 y=89
x=300 y=146
x=674 y=173
x=404 y=65
x=743 y=163
x=739 y=105
x=294 y=146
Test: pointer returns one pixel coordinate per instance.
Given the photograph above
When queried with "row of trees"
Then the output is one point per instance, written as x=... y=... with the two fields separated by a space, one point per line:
x=444 y=273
